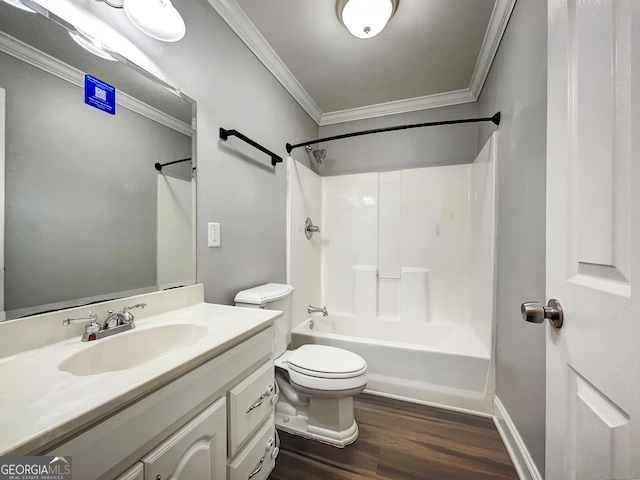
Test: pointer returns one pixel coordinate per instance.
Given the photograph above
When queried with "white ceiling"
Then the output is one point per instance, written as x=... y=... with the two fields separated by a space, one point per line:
x=432 y=53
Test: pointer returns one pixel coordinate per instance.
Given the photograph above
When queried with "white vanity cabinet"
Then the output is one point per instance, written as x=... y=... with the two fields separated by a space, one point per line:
x=211 y=423
x=197 y=451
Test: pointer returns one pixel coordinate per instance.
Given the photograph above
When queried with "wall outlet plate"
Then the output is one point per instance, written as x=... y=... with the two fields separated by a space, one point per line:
x=214 y=235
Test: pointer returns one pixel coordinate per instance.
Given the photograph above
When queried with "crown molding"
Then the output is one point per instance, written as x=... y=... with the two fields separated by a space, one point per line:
x=34 y=57
x=238 y=21
x=492 y=38
x=446 y=99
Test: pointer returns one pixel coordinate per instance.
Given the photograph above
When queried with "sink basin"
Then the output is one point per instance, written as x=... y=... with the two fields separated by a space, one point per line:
x=130 y=349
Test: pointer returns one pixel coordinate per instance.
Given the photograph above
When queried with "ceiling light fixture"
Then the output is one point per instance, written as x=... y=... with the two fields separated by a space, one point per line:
x=90 y=44
x=365 y=18
x=157 y=18
x=20 y=5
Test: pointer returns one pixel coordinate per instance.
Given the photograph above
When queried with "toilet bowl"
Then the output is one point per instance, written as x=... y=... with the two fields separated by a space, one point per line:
x=316 y=382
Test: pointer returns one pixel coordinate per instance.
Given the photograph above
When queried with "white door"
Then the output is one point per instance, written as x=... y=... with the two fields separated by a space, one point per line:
x=593 y=239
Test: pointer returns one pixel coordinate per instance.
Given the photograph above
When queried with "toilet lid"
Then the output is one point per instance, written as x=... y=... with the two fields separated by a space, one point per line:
x=326 y=362
x=263 y=294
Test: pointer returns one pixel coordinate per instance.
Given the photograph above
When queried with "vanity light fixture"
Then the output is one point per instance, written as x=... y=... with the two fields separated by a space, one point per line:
x=90 y=44
x=20 y=5
x=365 y=18
x=157 y=18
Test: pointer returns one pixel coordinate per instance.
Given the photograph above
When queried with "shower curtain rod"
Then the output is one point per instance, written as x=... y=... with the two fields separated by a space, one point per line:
x=495 y=119
x=159 y=166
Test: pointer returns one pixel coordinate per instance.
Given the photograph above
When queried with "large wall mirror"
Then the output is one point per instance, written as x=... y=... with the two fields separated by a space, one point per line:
x=87 y=217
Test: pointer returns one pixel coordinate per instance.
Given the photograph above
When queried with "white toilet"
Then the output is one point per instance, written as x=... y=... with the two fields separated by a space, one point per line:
x=317 y=383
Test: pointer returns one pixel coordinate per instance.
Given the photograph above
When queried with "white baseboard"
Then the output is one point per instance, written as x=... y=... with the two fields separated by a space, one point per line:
x=442 y=406
x=520 y=456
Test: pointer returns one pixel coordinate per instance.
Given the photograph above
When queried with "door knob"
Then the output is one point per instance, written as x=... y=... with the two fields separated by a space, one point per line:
x=534 y=312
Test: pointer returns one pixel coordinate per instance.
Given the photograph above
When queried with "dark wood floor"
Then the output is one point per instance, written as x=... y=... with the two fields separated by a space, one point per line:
x=401 y=441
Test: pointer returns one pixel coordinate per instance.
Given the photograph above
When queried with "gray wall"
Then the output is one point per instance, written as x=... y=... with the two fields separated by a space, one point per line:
x=79 y=221
x=420 y=147
x=517 y=86
x=236 y=185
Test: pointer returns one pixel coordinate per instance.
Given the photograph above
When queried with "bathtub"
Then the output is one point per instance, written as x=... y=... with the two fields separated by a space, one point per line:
x=438 y=364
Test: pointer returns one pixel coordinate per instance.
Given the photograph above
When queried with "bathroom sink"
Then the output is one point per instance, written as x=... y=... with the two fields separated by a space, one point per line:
x=130 y=349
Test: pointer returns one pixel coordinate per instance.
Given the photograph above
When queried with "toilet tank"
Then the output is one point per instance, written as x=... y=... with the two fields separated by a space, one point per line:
x=272 y=296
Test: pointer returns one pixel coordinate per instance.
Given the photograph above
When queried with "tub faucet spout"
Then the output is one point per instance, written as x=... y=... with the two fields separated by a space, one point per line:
x=322 y=310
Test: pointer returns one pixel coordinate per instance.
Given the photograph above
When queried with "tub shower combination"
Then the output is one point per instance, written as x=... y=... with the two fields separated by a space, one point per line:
x=404 y=262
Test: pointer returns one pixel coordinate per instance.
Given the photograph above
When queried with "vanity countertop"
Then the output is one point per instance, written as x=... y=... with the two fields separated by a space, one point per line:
x=41 y=404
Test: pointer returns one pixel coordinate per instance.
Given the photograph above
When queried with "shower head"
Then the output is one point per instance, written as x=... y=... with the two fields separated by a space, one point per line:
x=319 y=155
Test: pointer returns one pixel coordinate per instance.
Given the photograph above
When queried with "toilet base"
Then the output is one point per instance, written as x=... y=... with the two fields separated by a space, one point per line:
x=298 y=426
x=326 y=420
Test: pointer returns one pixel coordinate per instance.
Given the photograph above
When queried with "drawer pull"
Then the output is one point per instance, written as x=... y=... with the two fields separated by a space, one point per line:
x=257 y=470
x=258 y=403
x=266 y=394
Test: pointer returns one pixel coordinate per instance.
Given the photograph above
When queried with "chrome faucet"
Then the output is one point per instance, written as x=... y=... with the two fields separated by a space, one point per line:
x=115 y=322
x=114 y=319
x=322 y=310
x=118 y=319
x=90 y=329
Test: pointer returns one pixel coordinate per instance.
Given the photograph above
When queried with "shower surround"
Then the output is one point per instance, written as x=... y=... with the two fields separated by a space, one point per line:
x=404 y=263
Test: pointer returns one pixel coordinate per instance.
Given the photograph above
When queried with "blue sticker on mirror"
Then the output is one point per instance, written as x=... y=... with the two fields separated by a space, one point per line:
x=99 y=94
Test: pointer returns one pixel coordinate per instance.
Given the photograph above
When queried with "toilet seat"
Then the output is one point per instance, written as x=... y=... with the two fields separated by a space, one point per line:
x=321 y=368
x=326 y=362
x=328 y=386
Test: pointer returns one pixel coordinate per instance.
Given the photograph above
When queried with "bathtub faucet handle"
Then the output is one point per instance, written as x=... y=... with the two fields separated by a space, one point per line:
x=310 y=228
x=323 y=310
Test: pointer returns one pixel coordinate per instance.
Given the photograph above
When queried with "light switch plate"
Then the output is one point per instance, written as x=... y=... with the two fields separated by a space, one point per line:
x=214 y=235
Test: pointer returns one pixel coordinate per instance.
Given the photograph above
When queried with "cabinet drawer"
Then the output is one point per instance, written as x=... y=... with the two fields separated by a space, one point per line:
x=255 y=461
x=250 y=402
x=195 y=451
